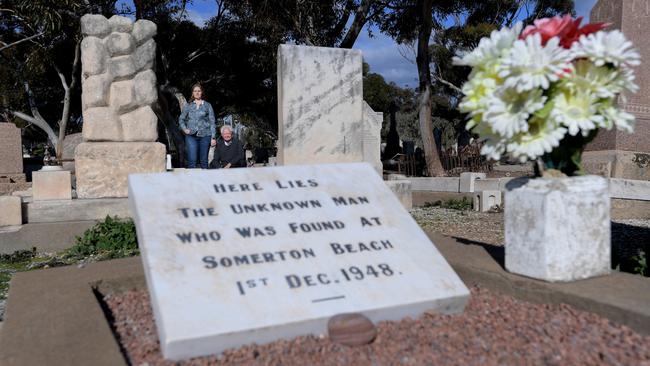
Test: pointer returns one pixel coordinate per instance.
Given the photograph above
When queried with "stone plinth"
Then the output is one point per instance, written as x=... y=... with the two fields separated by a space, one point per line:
x=558 y=229
x=605 y=152
x=10 y=211
x=320 y=105
x=102 y=168
x=51 y=185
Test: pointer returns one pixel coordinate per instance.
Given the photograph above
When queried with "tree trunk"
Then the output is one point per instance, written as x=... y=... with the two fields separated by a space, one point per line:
x=434 y=166
x=360 y=19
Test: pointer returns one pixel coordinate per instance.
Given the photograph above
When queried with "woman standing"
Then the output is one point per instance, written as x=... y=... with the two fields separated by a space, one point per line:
x=198 y=124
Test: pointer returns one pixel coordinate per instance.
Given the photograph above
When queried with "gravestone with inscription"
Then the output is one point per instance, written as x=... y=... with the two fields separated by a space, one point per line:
x=243 y=256
x=618 y=154
x=12 y=177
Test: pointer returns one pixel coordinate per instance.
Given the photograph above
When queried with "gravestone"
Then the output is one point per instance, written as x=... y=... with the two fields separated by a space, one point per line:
x=371 y=139
x=322 y=117
x=236 y=256
x=118 y=88
x=614 y=153
x=11 y=159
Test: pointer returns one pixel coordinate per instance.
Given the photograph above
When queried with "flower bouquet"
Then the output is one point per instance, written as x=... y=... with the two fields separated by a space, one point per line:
x=542 y=94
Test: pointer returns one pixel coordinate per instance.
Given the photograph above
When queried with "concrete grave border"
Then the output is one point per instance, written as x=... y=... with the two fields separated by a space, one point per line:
x=54 y=316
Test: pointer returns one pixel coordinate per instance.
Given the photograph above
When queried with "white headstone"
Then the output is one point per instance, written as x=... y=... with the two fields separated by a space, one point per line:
x=236 y=256
x=372 y=137
x=320 y=110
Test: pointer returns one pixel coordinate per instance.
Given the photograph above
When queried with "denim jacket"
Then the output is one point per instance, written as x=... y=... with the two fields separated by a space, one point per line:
x=199 y=121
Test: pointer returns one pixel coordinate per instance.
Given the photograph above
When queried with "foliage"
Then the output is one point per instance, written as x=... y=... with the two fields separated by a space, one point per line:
x=462 y=204
x=641 y=267
x=111 y=238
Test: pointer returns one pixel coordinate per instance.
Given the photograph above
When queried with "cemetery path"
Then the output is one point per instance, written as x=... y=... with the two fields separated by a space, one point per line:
x=494 y=330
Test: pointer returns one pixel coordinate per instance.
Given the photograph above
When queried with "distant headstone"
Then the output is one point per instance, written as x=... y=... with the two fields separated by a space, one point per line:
x=614 y=153
x=371 y=138
x=238 y=256
x=11 y=157
x=320 y=106
x=12 y=177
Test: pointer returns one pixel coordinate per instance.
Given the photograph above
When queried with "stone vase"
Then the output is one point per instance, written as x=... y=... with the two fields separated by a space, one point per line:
x=558 y=229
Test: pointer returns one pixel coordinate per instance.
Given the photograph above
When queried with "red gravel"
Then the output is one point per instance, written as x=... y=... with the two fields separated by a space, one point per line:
x=494 y=330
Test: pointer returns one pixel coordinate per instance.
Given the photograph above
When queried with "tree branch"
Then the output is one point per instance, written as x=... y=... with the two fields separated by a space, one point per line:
x=40 y=123
x=360 y=19
x=21 y=41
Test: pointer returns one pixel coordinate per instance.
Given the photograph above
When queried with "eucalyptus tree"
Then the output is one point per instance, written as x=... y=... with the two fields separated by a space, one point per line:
x=40 y=49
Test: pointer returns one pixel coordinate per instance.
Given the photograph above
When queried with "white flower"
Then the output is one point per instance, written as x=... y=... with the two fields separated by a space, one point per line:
x=607 y=48
x=622 y=120
x=530 y=65
x=602 y=81
x=493 y=149
x=490 y=50
x=577 y=111
x=542 y=137
x=508 y=110
x=476 y=89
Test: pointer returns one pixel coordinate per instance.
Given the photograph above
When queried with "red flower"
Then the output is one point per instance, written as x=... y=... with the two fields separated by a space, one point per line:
x=566 y=28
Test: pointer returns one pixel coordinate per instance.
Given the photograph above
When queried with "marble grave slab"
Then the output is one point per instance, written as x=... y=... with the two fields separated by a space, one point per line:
x=237 y=256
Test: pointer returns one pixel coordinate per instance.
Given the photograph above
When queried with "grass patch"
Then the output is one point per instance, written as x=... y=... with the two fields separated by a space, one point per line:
x=108 y=239
x=462 y=204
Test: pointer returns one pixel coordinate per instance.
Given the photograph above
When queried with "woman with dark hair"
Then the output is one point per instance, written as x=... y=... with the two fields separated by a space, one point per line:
x=199 y=126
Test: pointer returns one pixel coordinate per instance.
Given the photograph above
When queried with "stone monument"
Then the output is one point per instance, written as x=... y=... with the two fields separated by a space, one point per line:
x=614 y=153
x=321 y=113
x=118 y=89
x=12 y=177
x=236 y=256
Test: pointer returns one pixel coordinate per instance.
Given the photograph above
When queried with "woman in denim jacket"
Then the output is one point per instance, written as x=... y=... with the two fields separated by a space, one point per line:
x=198 y=124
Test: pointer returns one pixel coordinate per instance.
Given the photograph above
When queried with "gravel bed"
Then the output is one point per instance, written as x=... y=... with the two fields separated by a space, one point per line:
x=484 y=227
x=629 y=236
x=494 y=330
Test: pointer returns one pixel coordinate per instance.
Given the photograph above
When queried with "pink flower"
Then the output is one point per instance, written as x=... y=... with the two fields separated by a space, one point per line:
x=566 y=28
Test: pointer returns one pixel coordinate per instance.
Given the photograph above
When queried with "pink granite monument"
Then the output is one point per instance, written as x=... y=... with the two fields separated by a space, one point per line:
x=613 y=153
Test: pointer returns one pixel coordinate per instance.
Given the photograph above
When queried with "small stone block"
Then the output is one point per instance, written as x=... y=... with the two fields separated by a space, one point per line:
x=51 y=185
x=10 y=211
x=558 y=229
x=351 y=329
x=467 y=181
x=403 y=192
x=485 y=201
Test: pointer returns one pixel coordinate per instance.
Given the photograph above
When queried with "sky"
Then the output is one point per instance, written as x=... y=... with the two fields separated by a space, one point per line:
x=394 y=62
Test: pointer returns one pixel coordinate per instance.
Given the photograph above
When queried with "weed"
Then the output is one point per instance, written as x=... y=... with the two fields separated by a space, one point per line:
x=111 y=238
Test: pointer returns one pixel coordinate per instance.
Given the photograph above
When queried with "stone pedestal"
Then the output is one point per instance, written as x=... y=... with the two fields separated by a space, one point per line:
x=10 y=211
x=51 y=185
x=103 y=167
x=613 y=153
x=558 y=229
